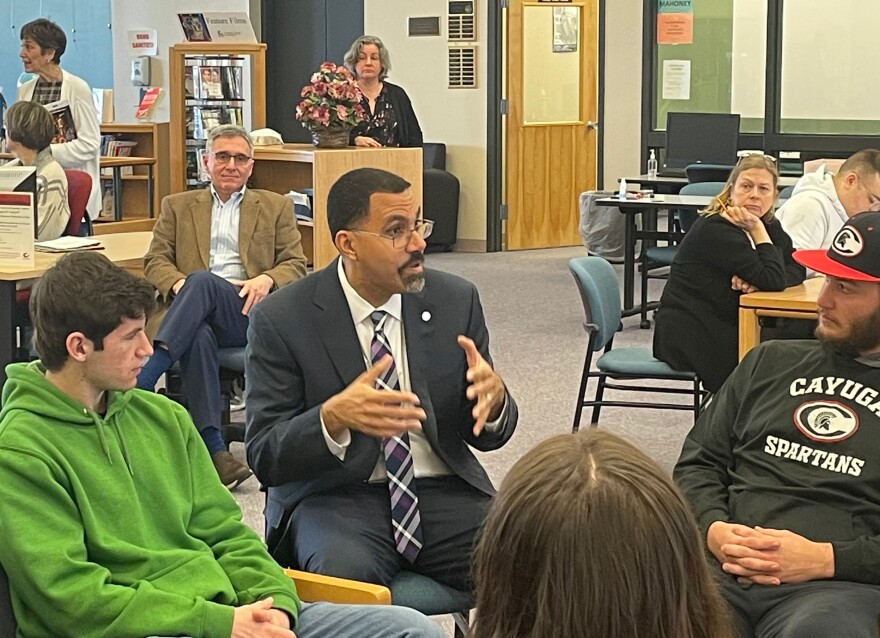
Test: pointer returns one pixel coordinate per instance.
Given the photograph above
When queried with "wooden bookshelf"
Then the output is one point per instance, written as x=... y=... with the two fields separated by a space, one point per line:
x=152 y=142
x=253 y=105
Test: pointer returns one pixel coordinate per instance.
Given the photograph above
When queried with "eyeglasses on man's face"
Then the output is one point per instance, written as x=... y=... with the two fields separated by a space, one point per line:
x=222 y=157
x=873 y=199
x=400 y=235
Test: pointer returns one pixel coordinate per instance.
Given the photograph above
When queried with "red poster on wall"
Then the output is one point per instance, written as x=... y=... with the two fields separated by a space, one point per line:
x=675 y=28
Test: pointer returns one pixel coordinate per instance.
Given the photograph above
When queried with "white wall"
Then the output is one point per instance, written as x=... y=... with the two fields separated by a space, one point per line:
x=623 y=90
x=162 y=16
x=456 y=117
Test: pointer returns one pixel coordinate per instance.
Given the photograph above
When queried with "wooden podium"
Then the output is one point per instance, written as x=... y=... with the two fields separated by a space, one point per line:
x=287 y=167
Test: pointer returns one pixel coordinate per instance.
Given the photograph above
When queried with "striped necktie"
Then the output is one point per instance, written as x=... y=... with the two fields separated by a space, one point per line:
x=405 y=519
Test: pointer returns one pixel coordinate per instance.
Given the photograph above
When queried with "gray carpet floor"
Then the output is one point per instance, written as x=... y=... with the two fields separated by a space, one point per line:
x=537 y=340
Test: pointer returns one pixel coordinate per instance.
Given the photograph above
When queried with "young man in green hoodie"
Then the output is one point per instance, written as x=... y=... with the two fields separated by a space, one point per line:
x=113 y=520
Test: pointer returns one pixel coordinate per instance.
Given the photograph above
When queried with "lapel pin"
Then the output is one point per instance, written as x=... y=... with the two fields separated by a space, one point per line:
x=426 y=316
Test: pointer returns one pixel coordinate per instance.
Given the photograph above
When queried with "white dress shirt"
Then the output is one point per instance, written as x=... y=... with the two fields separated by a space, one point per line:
x=225 y=258
x=425 y=461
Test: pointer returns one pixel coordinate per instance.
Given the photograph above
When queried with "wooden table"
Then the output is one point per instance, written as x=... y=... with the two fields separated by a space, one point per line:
x=124 y=249
x=796 y=302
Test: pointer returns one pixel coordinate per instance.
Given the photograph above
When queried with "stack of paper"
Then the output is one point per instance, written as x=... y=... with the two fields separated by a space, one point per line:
x=67 y=244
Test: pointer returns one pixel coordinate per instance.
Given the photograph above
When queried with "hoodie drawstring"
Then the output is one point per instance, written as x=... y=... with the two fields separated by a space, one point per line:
x=99 y=426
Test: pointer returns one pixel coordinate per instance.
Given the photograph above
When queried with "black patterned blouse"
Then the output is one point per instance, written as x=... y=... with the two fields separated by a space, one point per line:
x=381 y=124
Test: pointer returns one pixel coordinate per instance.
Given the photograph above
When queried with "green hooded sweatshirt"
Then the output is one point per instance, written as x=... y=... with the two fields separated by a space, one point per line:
x=118 y=525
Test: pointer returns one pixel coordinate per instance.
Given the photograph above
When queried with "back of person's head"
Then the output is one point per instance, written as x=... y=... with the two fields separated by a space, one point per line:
x=745 y=163
x=29 y=124
x=229 y=130
x=588 y=537
x=351 y=57
x=348 y=201
x=866 y=163
x=47 y=35
x=84 y=292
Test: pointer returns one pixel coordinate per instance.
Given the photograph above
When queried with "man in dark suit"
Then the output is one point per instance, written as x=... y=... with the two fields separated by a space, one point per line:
x=216 y=253
x=367 y=383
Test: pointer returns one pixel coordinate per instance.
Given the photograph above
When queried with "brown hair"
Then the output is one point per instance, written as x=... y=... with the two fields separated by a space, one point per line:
x=30 y=124
x=589 y=537
x=866 y=163
x=47 y=35
x=745 y=163
x=84 y=292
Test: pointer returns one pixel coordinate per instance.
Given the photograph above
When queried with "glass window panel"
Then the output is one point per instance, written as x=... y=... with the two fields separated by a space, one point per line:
x=727 y=63
x=551 y=64
x=828 y=68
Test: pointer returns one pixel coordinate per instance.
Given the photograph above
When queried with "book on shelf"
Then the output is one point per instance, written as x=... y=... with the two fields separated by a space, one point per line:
x=62 y=116
x=196 y=175
x=113 y=146
x=108 y=199
x=201 y=119
x=147 y=106
x=216 y=82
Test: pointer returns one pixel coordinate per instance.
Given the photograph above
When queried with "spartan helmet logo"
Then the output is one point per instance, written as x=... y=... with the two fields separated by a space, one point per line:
x=848 y=242
x=827 y=421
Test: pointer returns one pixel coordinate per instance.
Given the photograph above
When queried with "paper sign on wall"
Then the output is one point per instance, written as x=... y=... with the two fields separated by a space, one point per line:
x=675 y=28
x=143 y=42
x=676 y=79
x=18 y=185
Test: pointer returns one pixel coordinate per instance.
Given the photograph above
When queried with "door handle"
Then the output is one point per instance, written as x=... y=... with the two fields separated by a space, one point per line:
x=592 y=125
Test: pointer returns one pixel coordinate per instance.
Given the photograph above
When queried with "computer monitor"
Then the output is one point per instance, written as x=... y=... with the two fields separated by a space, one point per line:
x=704 y=138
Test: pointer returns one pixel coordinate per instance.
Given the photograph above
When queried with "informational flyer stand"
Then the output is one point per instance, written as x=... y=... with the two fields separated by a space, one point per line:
x=18 y=216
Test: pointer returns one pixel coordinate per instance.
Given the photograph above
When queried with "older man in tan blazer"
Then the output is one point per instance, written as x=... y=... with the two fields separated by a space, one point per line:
x=216 y=253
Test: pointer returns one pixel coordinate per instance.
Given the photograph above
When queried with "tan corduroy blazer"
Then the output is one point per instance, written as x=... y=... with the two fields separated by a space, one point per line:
x=268 y=240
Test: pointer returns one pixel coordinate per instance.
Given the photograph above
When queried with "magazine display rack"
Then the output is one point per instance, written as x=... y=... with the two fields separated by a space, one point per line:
x=209 y=86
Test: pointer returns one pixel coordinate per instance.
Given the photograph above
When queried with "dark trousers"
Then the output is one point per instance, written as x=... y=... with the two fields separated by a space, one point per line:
x=204 y=317
x=347 y=533
x=817 y=609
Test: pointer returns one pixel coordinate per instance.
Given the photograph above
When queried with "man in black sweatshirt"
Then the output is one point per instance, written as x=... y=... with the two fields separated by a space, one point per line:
x=783 y=468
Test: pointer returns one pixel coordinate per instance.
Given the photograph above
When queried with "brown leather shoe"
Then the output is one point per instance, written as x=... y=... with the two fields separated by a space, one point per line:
x=232 y=473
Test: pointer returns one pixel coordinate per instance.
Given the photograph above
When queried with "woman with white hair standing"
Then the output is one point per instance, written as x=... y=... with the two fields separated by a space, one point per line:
x=391 y=120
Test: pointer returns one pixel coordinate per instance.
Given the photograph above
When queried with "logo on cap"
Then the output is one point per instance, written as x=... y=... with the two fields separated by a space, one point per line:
x=848 y=242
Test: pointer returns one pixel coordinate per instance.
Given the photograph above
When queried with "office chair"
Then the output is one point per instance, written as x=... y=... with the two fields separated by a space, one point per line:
x=599 y=290
x=662 y=256
x=697 y=173
x=786 y=192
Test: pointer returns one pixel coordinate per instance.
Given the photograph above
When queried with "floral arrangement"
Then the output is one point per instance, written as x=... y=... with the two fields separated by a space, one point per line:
x=331 y=100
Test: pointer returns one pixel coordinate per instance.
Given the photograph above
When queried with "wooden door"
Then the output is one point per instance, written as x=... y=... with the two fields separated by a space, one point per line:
x=550 y=154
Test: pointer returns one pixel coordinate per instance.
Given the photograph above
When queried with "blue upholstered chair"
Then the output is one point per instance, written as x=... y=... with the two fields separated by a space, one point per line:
x=426 y=595
x=786 y=192
x=661 y=256
x=697 y=173
x=600 y=295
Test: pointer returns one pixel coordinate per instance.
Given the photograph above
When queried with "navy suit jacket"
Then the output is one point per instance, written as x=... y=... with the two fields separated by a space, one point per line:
x=303 y=349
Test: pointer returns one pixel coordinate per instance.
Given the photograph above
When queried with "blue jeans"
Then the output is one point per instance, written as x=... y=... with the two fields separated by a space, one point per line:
x=325 y=620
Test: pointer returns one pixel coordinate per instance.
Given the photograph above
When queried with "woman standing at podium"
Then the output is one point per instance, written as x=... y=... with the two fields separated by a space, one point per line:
x=735 y=246
x=391 y=120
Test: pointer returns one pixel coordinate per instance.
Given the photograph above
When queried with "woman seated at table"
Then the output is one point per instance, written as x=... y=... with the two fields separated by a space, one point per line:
x=390 y=120
x=588 y=537
x=735 y=246
x=29 y=132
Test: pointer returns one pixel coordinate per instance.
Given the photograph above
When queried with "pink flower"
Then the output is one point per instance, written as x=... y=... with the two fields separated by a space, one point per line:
x=341 y=112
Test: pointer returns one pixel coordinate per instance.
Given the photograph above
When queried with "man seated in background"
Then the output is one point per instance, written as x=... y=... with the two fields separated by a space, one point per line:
x=822 y=201
x=113 y=520
x=368 y=384
x=783 y=468
x=216 y=253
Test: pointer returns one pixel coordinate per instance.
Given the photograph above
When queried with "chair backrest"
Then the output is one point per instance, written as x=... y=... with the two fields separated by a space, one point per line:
x=434 y=155
x=600 y=296
x=7 y=620
x=79 y=187
x=705 y=189
x=786 y=192
x=707 y=173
